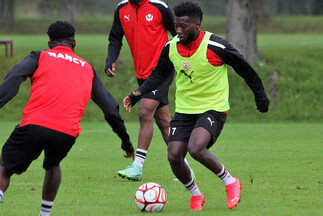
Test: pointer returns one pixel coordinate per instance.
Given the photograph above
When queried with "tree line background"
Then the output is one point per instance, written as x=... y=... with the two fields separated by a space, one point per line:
x=88 y=8
x=241 y=15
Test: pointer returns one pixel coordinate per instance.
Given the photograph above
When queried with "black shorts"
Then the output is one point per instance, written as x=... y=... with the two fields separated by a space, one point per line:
x=182 y=125
x=26 y=143
x=161 y=93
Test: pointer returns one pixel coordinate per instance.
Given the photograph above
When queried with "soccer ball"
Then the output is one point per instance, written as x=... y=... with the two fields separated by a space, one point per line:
x=150 y=197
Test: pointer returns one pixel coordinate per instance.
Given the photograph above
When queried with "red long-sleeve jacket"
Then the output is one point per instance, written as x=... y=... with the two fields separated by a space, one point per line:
x=145 y=27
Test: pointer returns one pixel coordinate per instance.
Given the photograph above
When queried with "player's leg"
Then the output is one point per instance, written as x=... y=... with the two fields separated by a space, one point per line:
x=162 y=118
x=149 y=104
x=181 y=127
x=17 y=154
x=146 y=113
x=199 y=139
x=7 y=150
x=176 y=155
x=205 y=133
x=57 y=146
x=4 y=179
x=52 y=181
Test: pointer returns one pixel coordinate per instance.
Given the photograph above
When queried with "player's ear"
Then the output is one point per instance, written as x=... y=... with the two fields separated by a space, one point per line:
x=49 y=44
x=73 y=43
x=198 y=24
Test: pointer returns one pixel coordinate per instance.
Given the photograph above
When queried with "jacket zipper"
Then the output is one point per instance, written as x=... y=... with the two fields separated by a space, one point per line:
x=137 y=14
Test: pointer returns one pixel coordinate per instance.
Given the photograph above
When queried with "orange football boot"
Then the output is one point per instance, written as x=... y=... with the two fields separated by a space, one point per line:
x=233 y=193
x=197 y=202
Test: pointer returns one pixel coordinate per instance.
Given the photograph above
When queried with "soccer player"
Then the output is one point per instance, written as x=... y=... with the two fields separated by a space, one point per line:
x=61 y=85
x=145 y=25
x=200 y=59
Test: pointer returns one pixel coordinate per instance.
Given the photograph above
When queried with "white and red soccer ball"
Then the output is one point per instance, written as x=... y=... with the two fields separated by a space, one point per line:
x=150 y=197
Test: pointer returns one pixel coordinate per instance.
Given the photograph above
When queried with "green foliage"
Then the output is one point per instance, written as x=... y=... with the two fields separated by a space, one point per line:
x=39 y=26
x=279 y=166
x=216 y=24
x=89 y=8
x=291 y=24
x=300 y=81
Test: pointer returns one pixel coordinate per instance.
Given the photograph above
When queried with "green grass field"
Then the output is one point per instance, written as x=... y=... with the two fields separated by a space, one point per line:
x=280 y=166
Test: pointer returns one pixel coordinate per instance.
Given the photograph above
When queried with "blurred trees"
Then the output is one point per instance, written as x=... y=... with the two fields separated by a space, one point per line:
x=259 y=10
x=241 y=29
x=7 y=12
x=294 y=7
x=70 y=9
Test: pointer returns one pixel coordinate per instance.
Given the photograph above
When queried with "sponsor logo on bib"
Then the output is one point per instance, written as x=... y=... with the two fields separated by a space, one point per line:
x=186 y=65
x=149 y=17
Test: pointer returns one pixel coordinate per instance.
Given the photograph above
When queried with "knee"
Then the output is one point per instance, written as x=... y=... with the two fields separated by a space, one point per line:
x=195 y=151
x=145 y=114
x=173 y=158
x=163 y=123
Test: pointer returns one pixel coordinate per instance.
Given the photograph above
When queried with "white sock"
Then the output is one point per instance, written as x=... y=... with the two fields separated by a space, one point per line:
x=1 y=195
x=46 y=207
x=140 y=157
x=185 y=161
x=192 y=172
x=192 y=188
x=225 y=176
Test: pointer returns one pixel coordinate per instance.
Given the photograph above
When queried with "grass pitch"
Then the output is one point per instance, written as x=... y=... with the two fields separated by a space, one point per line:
x=279 y=165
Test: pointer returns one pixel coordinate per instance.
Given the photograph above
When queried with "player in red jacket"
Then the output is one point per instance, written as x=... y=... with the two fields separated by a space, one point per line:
x=145 y=24
x=61 y=85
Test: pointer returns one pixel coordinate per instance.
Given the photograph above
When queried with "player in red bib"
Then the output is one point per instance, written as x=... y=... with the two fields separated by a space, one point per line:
x=61 y=85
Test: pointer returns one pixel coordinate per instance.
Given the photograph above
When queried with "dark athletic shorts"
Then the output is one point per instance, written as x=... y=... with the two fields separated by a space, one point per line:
x=26 y=143
x=182 y=125
x=161 y=93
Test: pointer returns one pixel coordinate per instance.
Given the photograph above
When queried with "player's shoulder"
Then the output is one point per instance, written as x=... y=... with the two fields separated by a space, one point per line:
x=122 y=4
x=158 y=3
x=171 y=40
x=216 y=42
x=36 y=52
x=168 y=43
x=33 y=56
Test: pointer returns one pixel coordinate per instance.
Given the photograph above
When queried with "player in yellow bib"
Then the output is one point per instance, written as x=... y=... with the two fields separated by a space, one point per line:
x=200 y=60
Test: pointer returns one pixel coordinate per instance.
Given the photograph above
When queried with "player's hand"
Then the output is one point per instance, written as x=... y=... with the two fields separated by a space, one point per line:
x=110 y=71
x=130 y=155
x=127 y=103
x=263 y=105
